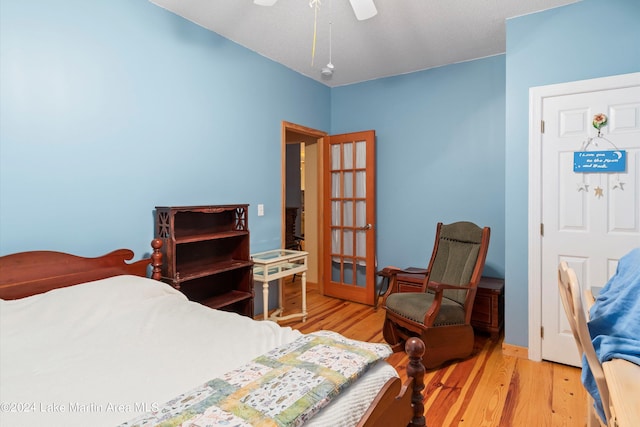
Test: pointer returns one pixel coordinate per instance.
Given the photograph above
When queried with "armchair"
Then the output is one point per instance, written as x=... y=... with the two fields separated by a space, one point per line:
x=441 y=313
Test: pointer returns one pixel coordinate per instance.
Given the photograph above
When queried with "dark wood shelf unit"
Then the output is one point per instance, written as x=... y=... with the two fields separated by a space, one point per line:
x=200 y=237
x=206 y=254
x=229 y=298
x=197 y=270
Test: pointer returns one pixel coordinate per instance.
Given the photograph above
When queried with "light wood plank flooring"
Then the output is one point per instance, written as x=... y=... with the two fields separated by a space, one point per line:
x=489 y=389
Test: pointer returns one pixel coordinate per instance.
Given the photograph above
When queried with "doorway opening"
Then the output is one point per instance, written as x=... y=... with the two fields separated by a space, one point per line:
x=301 y=194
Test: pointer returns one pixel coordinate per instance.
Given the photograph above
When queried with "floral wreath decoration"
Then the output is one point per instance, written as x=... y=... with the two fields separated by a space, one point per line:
x=600 y=120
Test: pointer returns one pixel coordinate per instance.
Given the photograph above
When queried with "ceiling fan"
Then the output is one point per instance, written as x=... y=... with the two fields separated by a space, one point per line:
x=364 y=9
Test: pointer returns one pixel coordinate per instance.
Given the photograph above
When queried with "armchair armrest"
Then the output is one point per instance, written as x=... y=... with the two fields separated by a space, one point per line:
x=386 y=272
x=391 y=272
x=438 y=289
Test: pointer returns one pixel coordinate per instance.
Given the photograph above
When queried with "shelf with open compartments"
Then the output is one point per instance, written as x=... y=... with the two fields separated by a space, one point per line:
x=206 y=254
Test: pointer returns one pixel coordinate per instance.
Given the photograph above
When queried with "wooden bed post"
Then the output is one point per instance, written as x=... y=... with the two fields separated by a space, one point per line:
x=156 y=259
x=415 y=369
x=398 y=404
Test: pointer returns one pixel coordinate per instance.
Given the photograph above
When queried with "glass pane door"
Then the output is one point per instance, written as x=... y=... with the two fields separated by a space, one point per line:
x=351 y=213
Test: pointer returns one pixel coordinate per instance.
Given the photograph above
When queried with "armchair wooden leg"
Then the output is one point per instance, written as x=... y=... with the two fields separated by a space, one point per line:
x=390 y=336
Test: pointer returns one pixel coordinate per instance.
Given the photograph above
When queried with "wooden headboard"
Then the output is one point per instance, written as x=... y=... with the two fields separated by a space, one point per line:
x=29 y=273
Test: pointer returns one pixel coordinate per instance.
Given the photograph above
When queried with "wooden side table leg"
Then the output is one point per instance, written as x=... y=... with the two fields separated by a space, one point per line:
x=281 y=296
x=304 y=296
x=265 y=299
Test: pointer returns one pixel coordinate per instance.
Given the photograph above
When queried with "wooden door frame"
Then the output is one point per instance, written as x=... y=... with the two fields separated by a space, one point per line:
x=318 y=135
x=537 y=96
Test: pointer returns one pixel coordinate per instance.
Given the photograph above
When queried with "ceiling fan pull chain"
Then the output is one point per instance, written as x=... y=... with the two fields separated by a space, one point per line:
x=315 y=4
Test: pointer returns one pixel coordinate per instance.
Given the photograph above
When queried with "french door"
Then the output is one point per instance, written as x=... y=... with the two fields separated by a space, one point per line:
x=349 y=216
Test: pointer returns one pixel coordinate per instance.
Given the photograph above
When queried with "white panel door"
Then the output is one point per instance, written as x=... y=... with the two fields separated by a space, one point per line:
x=589 y=220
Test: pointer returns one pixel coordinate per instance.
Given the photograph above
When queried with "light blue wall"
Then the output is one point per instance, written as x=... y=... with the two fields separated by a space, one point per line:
x=440 y=154
x=110 y=108
x=585 y=40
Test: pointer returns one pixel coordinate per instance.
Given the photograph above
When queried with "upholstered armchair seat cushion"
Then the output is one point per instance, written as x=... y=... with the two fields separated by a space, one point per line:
x=414 y=306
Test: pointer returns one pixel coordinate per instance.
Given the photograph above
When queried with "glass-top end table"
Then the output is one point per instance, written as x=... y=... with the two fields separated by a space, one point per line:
x=276 y=255
x=277 y=264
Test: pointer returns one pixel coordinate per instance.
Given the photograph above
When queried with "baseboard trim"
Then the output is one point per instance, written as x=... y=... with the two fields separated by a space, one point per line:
x=515 y=351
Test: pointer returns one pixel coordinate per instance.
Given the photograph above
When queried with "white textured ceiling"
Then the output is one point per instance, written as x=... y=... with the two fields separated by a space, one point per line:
x=405 y=36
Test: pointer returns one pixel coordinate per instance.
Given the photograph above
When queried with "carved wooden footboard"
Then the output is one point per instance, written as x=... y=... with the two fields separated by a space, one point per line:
x=30 y=273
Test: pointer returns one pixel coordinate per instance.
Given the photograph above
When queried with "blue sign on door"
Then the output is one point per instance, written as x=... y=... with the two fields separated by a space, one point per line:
x=600 y=161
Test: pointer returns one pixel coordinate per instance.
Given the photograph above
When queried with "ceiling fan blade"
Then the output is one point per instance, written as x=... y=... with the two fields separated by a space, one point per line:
x=364 y=9
x=265 y=2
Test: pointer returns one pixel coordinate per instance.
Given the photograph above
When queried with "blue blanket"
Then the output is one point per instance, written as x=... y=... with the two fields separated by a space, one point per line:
x=614 y=322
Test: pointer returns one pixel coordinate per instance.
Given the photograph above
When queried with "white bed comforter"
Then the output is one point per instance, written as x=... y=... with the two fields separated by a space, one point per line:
x=104 y=352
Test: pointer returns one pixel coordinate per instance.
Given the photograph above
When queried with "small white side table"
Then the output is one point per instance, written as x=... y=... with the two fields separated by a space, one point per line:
x=277 y=264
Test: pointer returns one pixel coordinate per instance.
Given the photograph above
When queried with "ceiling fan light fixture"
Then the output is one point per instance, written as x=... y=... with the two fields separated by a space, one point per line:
x=364 y=9
x=265 y=2
x=327 y=71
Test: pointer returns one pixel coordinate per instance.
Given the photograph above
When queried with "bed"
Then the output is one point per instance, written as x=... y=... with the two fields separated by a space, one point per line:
x=93 y=341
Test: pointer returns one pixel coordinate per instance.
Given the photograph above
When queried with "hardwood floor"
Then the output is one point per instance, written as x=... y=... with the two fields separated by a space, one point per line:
x=489 y=389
